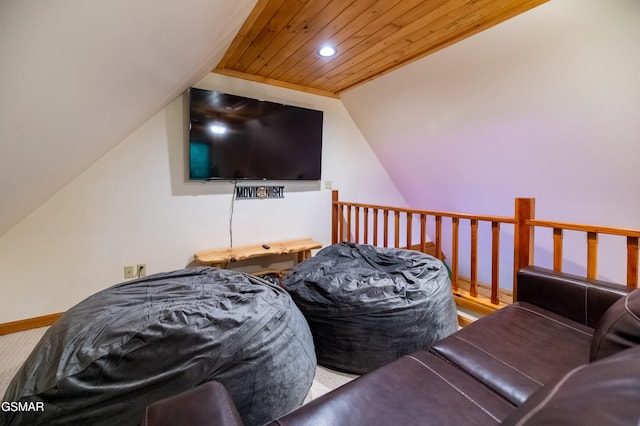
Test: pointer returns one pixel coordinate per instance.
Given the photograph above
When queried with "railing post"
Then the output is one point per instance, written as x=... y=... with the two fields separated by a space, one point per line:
x=632 y=262
x=357 y=230
x=409 y=230
x=557 y=249
x=335 y=216
x=375 y=227
x=348 y=224
x=366 y=225
x=385 y=216
x=592 y=255
x=439 y=237
x=396 y=229
x=423 y=232
x=523 y=237
x=495 y=263
x=473 y=289
x=455 y=222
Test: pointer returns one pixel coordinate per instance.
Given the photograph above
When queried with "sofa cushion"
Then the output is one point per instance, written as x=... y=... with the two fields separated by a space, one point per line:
x=618 y=329
x=605 y=392
x=517 y=349
x=420 y=388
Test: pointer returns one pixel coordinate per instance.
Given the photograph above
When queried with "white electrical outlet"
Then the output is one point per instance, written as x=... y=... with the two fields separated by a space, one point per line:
x=129 y=272
x=141 y=270
x=328 y=184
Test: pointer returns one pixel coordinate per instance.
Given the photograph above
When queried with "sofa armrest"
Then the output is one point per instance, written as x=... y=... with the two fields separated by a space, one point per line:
x=206 y=404
x=577 y=298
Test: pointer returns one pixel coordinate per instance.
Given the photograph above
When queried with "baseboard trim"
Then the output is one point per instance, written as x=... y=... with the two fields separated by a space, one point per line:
x=464 y=321
x=28 y=324
x=43 y=321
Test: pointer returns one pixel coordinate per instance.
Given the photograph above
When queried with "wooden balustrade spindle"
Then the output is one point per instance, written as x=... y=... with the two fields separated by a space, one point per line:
x=385 y=214
x=439 y=237
x=592 y=255
x=473 y=289
x=409 y=229
x=423 y=232
x=375 y=227
x=632 y=262
x=366 y=225
x=396 y=229
x=357 y=230
x=341 y=224
x=348 y=224
x=454 y=252
x=495 y=262
x=557 y=249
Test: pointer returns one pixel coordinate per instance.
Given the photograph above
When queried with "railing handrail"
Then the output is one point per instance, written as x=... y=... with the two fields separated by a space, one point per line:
x=480 y=217
x=609 y=230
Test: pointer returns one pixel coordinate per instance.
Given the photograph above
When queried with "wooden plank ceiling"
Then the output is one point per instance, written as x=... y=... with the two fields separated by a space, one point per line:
x=278 y=42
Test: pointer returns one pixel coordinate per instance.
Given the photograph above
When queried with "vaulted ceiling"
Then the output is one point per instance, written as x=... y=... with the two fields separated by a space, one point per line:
x=278 y=43
x=78 y=77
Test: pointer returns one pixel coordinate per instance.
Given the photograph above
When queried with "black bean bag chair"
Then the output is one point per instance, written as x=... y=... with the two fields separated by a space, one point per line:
x=140 y=341
x=367 y=306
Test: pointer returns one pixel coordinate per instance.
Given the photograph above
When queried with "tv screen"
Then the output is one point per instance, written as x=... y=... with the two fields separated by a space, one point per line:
x=232 y=137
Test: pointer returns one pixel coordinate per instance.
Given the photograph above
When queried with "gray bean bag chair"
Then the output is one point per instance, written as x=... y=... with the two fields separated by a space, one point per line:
x=141 y=341
x=367 y=306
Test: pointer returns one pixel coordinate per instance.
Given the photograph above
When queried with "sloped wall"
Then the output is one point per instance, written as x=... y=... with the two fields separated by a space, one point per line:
x=134 y=206
x=78 y=77
x=546 y=105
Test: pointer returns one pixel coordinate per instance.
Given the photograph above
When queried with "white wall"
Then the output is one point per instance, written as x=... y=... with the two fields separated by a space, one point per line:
x=134 y=206
x=545 y=105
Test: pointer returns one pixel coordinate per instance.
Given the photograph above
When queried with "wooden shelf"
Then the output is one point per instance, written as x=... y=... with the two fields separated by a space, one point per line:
x=220 y=257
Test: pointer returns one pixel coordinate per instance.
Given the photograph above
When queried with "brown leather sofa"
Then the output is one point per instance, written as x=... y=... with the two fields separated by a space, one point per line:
x=565 y=353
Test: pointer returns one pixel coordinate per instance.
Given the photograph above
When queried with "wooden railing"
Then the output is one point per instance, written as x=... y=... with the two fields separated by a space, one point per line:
x=592 y=234
x=387 y=226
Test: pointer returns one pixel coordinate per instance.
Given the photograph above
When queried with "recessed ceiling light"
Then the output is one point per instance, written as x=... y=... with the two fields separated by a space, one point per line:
x=326 y=51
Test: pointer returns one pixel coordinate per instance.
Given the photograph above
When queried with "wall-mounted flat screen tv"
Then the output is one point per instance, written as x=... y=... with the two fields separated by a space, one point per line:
x=232 y=137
